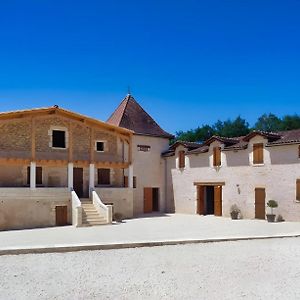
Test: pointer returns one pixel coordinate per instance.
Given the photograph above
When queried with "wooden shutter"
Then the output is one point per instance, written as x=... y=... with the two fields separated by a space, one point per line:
x=217 y=156
x=298 y=189
x=181 y=159
x=200 y=199
x=103 y=176
x=258 y=153
x=218 y=200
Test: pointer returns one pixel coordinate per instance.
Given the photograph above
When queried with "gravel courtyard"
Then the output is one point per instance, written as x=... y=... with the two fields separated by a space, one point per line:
x=260 y=269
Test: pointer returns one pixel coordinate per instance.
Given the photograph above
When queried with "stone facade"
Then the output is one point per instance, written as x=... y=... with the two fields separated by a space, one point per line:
x=278 y=175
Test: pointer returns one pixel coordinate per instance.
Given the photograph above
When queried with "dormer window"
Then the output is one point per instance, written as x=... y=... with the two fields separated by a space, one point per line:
x=181 y=163
x=217 y=156
x=258 y=153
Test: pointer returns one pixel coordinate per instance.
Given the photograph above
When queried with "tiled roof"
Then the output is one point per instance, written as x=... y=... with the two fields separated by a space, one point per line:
x=240 y=143
x=131 y=115
x=224 y=140
x=188 y=145
x=287 y=137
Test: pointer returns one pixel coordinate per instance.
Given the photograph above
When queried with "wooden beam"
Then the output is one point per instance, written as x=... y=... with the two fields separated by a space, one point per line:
x=209 y=183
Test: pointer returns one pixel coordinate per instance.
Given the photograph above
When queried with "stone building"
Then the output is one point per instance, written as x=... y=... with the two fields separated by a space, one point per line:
x=58 y=167
x=246 y=171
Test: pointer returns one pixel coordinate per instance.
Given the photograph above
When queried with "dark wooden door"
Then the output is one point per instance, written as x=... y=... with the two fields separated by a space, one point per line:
x=218 y=200
x=200 y=199
x=78 y=181
x=148 y=200
x=61 y=214
x=260 y=203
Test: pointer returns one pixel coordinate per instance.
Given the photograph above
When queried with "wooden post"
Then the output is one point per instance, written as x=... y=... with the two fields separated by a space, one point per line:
x=32 y=139
x=70 y=142
x=92 y=150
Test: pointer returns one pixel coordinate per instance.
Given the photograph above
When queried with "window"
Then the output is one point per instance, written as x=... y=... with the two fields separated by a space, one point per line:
x=38 y=175
x=217 y=156
x=258 y=153
x=103 y=176
x=298 y=189
x=144 y=148
x=299 y=151
x=100 y=146
x=181 y=159
x=58 y=139
x=126 y=181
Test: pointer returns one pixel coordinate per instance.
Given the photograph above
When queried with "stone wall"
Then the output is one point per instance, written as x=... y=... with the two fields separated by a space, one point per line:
x=24 y=208
x=15 y=138
x=120 y=198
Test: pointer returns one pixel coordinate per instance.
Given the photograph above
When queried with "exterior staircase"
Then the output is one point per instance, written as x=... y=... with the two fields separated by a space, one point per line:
x=90 y=215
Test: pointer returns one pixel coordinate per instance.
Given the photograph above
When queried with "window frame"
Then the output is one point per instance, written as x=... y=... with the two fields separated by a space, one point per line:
x=104 y=146
x=58 y=128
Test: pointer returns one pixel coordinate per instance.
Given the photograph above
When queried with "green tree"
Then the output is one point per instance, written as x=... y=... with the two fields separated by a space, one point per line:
x=290 y=122
x=268 y=123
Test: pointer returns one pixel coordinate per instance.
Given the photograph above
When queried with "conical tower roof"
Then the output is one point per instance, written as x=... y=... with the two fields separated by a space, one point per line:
x=131 y=115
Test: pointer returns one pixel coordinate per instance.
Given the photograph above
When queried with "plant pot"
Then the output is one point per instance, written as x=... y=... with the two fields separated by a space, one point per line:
x=234 y=215
x=271 y=218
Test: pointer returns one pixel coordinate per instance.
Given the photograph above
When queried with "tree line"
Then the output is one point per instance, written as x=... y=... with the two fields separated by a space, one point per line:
x=239 y=127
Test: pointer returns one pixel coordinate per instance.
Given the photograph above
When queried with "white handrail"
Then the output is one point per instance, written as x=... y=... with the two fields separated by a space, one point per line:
x=101 y=207
x=76 y=209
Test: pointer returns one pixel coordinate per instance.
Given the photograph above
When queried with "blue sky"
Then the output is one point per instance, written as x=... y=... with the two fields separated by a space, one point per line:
x=187 y=62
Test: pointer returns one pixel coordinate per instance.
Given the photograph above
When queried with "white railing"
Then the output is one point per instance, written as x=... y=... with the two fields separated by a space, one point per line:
x=102 y=209
x=76 y=210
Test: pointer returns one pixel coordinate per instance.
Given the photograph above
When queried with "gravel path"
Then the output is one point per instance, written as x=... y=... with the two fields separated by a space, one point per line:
x=264 y=269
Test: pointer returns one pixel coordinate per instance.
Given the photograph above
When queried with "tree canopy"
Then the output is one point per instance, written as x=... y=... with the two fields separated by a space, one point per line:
x=239 y=127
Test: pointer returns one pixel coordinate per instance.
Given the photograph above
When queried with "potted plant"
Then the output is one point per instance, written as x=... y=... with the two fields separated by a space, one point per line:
x=234 y=212
x=272 y=204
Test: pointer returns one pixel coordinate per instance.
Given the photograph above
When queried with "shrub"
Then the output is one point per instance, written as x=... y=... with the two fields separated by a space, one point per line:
x=272 y=204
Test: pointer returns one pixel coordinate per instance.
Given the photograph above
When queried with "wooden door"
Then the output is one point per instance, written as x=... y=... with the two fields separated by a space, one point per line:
x=148 y=200
x=61 y=215
x=78 y=181
x=218 y=200
x=200 y=199
x=260 y=205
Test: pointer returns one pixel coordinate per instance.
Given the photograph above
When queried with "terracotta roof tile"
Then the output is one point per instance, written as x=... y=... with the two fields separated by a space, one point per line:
x=131 y=115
